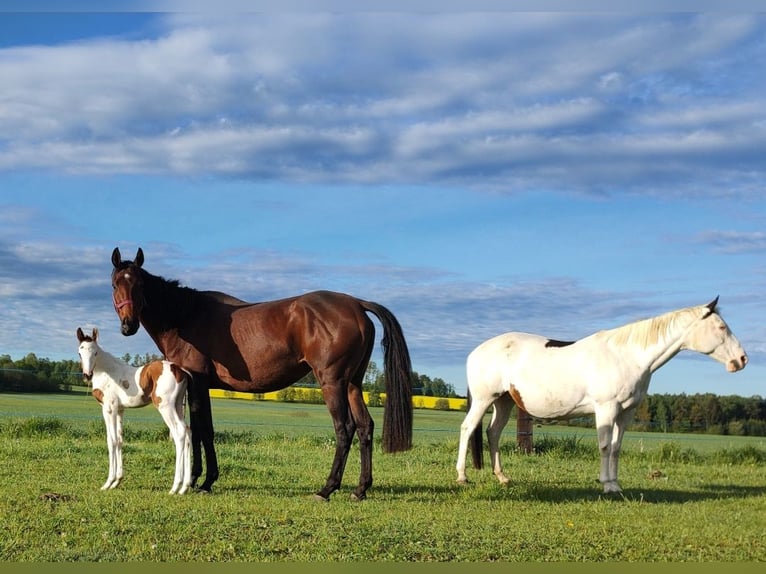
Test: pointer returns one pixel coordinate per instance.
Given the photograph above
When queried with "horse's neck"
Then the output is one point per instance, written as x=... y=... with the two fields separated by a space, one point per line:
x=653 y=342
x=112 y=368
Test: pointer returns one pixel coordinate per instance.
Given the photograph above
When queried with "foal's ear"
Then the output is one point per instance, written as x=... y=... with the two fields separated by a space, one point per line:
x=95 y=334
x=139 y=260
x=80 y=335
x=116 y=257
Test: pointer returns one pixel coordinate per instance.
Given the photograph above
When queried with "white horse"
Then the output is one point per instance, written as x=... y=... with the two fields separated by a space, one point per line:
x=117 y=386
x=606 y=374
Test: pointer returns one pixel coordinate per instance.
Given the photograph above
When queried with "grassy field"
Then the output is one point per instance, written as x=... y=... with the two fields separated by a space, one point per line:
x=687 y=497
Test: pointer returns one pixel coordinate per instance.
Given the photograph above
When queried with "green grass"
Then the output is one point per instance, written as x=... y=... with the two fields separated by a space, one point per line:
x=686 y=499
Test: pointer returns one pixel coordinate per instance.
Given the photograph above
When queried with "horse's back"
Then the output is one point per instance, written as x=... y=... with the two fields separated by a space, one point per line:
x=488 y=364
x=274 y=343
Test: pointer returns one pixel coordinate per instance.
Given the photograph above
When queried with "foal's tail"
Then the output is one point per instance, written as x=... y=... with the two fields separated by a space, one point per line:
x=476 y=441
x=397 y=372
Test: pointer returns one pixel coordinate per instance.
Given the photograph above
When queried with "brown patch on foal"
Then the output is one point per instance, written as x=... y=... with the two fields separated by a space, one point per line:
x=148 y=380
x=98 y=394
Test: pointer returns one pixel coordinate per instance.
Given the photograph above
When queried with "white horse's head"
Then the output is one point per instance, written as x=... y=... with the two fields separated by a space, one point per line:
x=88 y=352
x=711 y=336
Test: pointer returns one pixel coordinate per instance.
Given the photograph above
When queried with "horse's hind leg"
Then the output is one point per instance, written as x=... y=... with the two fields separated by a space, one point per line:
x=364 y=430
x=337 y=404
x=479 y=406
x=501 y=412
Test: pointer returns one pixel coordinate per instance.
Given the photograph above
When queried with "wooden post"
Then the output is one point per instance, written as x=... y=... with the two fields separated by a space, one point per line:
x=523 y=430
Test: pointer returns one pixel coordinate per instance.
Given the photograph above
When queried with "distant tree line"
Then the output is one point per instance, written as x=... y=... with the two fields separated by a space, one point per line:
x=33 y=374
x=699 y=413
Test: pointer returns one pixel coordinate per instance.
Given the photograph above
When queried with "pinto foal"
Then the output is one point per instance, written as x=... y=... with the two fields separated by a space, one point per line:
x=117 y=386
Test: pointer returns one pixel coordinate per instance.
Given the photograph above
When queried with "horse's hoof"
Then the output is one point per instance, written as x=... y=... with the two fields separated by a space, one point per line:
x=462 y=481
x=319 y=498
x=358 y=497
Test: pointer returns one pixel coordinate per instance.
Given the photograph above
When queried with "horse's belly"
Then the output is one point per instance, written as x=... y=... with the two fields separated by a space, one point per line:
x=263 y=380
x=551 y=405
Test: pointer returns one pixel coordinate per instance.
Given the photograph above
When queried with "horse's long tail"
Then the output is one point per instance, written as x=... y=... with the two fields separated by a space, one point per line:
x=397 y=372
x=476 y=441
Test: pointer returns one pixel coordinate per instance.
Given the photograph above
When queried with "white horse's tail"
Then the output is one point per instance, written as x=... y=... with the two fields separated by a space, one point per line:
x=476 y=441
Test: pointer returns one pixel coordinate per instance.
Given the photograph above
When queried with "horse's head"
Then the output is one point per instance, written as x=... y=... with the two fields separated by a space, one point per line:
x=88 y=351
x=711 y=336
x=127 y=294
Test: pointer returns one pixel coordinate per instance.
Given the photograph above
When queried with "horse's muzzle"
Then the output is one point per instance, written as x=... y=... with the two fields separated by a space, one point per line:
x=128 y=327
x=736 y=364
x=87 y=377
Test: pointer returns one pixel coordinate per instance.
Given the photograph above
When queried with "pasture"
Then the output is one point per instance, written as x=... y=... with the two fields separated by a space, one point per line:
x=687 y=497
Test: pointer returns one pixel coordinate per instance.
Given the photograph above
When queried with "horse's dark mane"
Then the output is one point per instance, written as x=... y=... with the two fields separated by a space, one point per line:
x=170 y=301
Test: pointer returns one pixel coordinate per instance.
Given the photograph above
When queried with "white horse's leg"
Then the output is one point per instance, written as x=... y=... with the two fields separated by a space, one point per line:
x=606 y=416
x=620 y=424
x=479 y=406
x=501 y=412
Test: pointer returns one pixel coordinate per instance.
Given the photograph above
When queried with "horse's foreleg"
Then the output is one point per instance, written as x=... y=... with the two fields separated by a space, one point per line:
x=500 y=415
x=620 y=424
x=201 y=417
x=606 y=417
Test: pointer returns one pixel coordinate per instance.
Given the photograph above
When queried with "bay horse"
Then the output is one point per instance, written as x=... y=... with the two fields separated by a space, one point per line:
x=118 y=386
x=230 y=344
x=606 y=374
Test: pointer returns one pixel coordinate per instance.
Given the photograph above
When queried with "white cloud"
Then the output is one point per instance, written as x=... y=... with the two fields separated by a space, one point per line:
x=551 y=100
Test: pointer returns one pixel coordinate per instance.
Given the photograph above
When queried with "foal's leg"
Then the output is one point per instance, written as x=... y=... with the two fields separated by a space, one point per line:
x=364 y=431
x=479 y=405
x=177 y=428
x=113 y=421
x=501 y=413
x=337 y=403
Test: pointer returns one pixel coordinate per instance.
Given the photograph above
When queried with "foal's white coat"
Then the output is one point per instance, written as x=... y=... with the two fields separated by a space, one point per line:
x=606 y=374
x=117 y=386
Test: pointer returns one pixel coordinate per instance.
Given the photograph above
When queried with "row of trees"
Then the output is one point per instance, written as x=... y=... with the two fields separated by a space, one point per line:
x=699 y=413
x=706 y=413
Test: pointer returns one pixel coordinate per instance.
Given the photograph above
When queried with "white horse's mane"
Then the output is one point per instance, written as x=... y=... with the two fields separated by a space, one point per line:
x=648 y=332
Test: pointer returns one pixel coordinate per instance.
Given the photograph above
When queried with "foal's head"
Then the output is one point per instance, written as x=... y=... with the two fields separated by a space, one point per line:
x=127 y=286
x=88 y=352
x=711 y=336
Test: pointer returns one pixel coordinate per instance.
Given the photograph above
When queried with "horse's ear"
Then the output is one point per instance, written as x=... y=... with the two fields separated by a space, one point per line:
x=116 y=257
x=711 y=307
x=95 y=334
x=80 y=335
x=139 y=260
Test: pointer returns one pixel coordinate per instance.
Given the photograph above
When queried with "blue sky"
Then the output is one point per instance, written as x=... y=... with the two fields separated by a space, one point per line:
x=475 y=172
